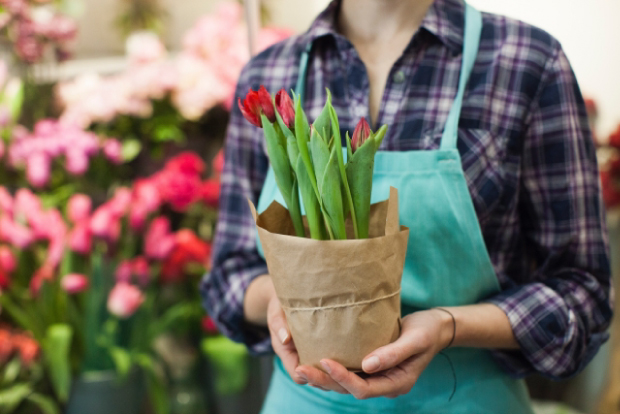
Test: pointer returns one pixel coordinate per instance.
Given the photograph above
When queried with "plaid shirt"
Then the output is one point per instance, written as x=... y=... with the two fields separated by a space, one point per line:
x=527 y=154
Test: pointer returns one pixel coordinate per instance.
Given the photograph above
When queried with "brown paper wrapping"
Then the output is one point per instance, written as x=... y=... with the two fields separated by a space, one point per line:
x=341 y=298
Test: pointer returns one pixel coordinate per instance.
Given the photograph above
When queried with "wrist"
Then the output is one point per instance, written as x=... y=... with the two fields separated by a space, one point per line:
x=447 y=331
x=256 y=300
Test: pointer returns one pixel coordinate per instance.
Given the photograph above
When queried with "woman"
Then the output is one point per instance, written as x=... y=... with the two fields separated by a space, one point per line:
x=508 y=266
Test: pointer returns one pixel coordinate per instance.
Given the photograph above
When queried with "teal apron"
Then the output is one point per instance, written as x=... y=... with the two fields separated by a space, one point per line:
x=447 y=264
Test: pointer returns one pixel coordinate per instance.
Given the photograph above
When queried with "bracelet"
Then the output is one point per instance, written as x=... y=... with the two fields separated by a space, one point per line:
x=453 y=326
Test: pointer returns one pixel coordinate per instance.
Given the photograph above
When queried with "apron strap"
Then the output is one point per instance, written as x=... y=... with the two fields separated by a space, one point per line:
x=471 y=40
x=300 y=88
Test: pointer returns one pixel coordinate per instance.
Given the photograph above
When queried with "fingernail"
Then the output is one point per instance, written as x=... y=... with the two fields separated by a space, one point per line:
x=326 y=367
x=371 y=364
x=283 y=334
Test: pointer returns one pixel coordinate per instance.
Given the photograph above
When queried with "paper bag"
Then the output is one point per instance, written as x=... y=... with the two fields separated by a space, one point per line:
x=341 y=297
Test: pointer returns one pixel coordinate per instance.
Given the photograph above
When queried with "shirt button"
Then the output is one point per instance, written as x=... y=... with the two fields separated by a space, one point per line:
x=399 y=77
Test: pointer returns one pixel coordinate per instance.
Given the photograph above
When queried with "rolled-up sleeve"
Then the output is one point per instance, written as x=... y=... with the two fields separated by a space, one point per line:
x=236 y=261
x=560 y=318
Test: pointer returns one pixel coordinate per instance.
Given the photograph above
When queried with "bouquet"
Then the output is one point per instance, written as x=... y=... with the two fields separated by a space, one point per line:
x=339 y=287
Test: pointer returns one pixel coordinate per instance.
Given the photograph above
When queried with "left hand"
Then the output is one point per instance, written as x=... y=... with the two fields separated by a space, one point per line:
x=396 y=367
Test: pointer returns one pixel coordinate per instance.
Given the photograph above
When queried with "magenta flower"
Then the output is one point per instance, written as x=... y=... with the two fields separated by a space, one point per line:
x=78 y=208
x=76 y=161
x=6 y=201
x=14 y=233
x=140 y=269
x=158 y=241
x=38 y=166
x=7 y=260
x=124 y=300
x=113 y=151
x=80 y=240
x=74 y=283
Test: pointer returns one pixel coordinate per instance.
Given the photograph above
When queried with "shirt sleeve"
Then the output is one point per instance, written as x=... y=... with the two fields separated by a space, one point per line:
x=236 y=261
x=560 y=318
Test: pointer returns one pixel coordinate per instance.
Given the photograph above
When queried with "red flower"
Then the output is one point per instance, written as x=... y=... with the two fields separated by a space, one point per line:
x=27 y=347
x=211 y=192
x=255 y=104
x=360 y=134
x=6 y=345
x=188 y=249
x=208 y=325
x=285 y=108
x=187 y=163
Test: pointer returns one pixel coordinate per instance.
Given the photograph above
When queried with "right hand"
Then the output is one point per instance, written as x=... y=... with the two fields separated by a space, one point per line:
x=281 y=339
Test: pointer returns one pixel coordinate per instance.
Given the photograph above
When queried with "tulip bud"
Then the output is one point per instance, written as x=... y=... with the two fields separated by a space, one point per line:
x=74 y=283
x=360 y=134
x=285 y=108
x=255 y=104
x=124 y=300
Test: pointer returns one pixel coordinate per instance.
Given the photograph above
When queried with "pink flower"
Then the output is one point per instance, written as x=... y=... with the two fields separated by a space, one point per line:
x=80 y=240
x=137 y=217
x=27 y=206
x=146 y=194
x=7 y=260
x=101 y=222
x=178 y=189
x=123 y=271
x=158 y=241
x=78 y=208
x=3 y=122
x=360 y=134
x=144 y=47
x=112 y=150
x=15 y=234
x=38 y=166
x=43 y=274
x=124 y=300
x=119 y=204
x=188 y=163
x=74 y=283
x=285 y=108
x=55 y=252
x=6 y=201
x=140 y=269
x=76 y=161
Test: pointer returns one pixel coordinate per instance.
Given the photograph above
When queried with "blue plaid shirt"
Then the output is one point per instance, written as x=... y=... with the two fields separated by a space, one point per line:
x=527 y=154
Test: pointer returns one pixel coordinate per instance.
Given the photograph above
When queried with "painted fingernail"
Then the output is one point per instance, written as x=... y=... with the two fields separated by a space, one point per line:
x=326 y=367
x=371 y=364
x=283 y=334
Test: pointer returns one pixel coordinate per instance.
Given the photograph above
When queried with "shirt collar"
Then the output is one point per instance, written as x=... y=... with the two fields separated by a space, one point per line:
x=444 y=20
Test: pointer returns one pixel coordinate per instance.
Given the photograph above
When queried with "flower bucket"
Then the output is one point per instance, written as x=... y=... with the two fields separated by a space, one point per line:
x=103 y=393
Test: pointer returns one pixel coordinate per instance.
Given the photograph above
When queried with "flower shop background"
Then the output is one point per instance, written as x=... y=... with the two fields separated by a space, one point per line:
x=112 y=116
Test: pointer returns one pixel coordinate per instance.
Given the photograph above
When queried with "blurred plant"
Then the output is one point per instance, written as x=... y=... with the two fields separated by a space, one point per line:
x=141 y=15
x=33 y=26
x=21 y=374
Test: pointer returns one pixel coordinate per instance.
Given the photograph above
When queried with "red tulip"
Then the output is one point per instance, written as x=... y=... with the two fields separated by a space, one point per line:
x=285 y=108
x=211 y=192
x=74 y=283
x=255 y=104
x=208 y=325
x=124 y=300
x=360 y=134
x=27 y=347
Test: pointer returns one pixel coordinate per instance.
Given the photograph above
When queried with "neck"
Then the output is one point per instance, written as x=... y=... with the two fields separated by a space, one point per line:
x=371 y=21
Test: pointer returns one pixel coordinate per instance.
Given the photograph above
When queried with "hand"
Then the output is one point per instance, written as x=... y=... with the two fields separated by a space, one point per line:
x=281 y=339
x=396 y=367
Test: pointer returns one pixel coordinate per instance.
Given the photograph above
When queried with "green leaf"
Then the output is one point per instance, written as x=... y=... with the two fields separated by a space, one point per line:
x=359 y=173
x=11 y=371
x=323 y=124
x=230 y=363
x=311 y=204
x=342 y=169
x=320 y=158
x=157 y=391
x=379 y=135
x=302 y=130
x=331 y=196
x=46 y=404
x=11 y=397
x=122 y=360
x=22 y=318
x=283 y=174
x=349 y=148
x=56 y=347
x=130 y=149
